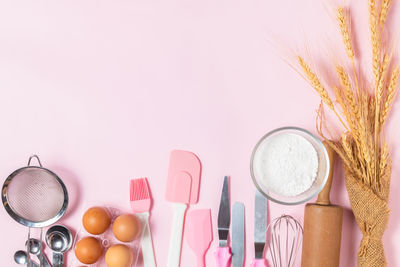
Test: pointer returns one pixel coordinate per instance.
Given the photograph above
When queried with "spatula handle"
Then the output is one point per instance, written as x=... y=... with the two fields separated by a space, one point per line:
x=201 y=261
x=174 y=254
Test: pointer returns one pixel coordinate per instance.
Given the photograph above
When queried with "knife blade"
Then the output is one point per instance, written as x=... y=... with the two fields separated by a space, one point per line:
x=260 y=224
x=238 y=234
x=224 y=215
x=223 y=253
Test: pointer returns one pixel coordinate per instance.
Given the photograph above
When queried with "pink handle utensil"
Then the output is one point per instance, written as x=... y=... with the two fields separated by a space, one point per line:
x=223 y=256
x=198 y=233
x=258 y=263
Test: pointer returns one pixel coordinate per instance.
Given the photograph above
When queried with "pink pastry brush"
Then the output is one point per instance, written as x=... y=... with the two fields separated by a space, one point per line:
x=141 y=205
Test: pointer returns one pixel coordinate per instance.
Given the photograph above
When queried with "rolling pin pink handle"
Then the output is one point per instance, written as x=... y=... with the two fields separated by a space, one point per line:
x=223 y=256
x=259 y=263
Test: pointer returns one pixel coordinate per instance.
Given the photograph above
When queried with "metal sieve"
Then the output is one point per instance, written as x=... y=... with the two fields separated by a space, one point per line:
x=34 y=196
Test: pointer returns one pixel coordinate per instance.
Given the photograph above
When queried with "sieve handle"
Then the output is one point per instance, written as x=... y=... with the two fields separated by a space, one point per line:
x=37 y=158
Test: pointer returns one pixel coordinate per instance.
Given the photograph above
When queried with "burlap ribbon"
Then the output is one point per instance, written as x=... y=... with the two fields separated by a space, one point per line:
x=372 y=214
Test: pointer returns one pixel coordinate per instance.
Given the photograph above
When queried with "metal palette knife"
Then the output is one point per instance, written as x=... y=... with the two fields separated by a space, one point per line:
x=223 y=253
x=238 y=234
x=260 y=229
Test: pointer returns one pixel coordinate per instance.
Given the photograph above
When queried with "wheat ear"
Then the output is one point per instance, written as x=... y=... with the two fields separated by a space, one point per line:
x=379 y=89
x=352 y=112
x=384 y=11
x=316 y=84
x=383 y=160
x=345 y=160
x=378 y=100
x=344 y=29
x=347 y=147
x=391 y=93
x=374 y=41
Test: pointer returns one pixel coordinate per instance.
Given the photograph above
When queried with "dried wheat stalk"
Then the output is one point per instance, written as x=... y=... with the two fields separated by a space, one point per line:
x=345 y=30
x=365 y=112
x=384 y=11
x=373 y=25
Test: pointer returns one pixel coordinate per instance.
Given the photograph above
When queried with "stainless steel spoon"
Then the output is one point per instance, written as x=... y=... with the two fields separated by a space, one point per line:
x=21 y=257
x=34 y=248
x=59 y=240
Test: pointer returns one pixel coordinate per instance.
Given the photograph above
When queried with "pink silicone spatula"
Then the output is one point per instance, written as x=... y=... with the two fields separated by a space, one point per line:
x=182 y=188
x=198 y=233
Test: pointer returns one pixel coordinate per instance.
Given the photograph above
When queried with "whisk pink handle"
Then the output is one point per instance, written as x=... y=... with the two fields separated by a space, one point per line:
x=223 y=256
x=258 y=263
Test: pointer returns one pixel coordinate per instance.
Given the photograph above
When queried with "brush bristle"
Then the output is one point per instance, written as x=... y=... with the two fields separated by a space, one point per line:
x=139 y=189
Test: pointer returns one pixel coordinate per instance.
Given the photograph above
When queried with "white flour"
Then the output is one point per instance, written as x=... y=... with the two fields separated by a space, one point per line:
x=287 y=164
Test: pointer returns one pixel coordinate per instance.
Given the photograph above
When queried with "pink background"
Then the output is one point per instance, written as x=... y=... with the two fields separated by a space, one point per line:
x=102 y=91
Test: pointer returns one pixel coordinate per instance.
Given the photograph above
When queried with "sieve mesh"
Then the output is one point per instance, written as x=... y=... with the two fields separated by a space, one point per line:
x=35 y=195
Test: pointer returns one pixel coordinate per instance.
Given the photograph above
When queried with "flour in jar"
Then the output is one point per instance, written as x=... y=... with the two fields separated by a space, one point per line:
x=287 y=164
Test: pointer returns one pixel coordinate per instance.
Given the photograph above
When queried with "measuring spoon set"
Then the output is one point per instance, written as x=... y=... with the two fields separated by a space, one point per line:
x=58 y=239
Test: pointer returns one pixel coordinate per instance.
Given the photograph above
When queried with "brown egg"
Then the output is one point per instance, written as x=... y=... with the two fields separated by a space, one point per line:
x=127 y=227
x=96 y=220
x=88 y=250
x=119 y=256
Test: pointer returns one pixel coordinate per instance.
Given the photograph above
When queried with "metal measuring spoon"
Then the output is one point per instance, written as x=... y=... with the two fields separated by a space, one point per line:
x=59 y=240
x=21 y=257
x=34 y=248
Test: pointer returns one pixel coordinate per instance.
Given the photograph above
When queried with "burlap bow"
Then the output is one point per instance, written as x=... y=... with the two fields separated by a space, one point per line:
x=371 y=212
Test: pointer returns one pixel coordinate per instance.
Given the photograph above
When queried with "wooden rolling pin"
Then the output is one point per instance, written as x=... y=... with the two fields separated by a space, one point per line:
x=322 y=227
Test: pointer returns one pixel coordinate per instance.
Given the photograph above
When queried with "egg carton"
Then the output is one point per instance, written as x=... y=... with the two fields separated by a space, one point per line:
x=107 y=239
